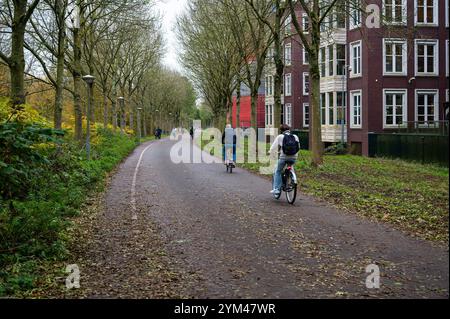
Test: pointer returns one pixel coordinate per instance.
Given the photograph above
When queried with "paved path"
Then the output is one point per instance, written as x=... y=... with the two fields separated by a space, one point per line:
x=198 y=232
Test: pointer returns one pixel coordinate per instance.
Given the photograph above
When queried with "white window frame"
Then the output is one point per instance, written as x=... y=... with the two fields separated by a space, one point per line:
x=306 y=105
x=288 y=114
x=404 y=57
x=306 y=74
x=305 y=30
x=304 y=52
x=354 y=74
x=447 y=52
x=404 y=107
x=436 y=104
x=288 y=54
x=270 y=84
x=358 y=12
x=288 y=84
x=404 y=14
x=352 y=108
x=446 y=13
x=288 y=25
x=269 y=115
x=435 y=15
x=436 y=57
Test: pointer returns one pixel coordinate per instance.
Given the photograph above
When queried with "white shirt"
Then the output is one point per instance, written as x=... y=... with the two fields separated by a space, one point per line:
x=279 y=144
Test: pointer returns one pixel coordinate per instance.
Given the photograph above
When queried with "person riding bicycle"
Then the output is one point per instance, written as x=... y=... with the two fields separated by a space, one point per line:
x=229 y=142
x=289 y=144
x=158 y=133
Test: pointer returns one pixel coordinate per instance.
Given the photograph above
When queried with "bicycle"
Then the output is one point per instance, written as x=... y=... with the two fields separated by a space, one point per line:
x=229 y=163
x=290 y=184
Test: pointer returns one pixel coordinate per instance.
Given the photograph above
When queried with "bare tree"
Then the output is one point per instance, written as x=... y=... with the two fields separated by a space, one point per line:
x=16 y=18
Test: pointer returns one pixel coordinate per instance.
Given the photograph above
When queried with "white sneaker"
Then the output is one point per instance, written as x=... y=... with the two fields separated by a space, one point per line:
x=275 y=191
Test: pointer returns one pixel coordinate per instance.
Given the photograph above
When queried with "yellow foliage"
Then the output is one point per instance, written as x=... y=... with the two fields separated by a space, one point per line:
x=25 y=113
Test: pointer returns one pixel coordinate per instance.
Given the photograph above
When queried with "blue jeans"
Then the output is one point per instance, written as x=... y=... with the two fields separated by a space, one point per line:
x=227 y=147
x=278 y=179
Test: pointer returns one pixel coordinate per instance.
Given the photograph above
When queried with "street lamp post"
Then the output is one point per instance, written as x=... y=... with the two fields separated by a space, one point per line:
x=89 y=79
x=122 y=109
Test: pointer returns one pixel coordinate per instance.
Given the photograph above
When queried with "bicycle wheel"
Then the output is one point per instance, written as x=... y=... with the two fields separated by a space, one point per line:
x=231 y=169
x=291 y=189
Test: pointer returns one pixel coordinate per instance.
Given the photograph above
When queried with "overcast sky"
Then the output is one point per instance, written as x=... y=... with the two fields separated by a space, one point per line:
x=169 y=10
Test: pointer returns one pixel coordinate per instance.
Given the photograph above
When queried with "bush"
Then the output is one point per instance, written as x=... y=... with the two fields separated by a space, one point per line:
x=44 y=182
x=337 y=149
x=21 y=156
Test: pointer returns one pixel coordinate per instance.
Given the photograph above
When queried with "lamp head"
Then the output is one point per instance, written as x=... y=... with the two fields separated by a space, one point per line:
x=89 y=79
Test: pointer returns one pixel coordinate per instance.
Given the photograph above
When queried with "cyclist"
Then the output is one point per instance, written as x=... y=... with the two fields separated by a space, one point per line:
x=229 y=142
x=289 y=144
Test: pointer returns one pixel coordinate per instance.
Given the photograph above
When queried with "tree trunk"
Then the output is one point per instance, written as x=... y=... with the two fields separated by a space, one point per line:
x=60 y=61
x=114 y=114
x=77 y=85
x=279 y=65
x=105 y=109
x=314 y=72
x=17 y=59
x=144 y=122
x=238 y=106
x=132 y=119
x=254 y=100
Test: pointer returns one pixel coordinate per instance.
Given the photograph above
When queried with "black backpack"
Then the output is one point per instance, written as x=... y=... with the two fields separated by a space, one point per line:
x=290 y=145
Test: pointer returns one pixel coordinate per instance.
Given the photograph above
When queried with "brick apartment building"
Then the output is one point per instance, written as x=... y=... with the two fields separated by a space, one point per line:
x=382 y=80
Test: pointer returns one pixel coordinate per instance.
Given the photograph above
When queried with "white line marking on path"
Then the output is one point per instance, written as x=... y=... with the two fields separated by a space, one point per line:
x=133 y=185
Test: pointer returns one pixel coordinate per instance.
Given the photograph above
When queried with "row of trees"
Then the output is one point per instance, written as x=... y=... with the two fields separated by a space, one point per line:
x=56 y=42
x=227 y=43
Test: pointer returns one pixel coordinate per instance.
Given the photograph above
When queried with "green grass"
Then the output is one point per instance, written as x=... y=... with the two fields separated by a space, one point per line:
x=33 y=230
x=410 y=196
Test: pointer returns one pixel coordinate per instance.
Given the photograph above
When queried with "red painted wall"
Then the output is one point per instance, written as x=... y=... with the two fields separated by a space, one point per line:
x=246 y=114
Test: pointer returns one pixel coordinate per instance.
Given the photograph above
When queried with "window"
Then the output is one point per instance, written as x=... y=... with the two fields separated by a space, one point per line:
x=305 y=115
x=340 y=15
x=305 y=57
x=269 y=85
x=287 y=25
x=322 y=62
x=305 y=23
x=330 y=106
x=269 y=115
x=427 y=107
x=395 y=57
x=330 y=60
x=426 y=52
x=394 y=110
x=288 y=85
x=355 y=58
x=305 y=83
x=288 y=114
x=323 y=108
x=288 y=54
x=341 y=108
x=266 y=86
x=340 y=59
x=333 y=107
x=426 y=12
x=447 y=52
x=394 y=11
x=355 y=14
x=355 y=109
x=446 y=13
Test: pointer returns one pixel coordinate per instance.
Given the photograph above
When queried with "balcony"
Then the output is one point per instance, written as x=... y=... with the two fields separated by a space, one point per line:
x=333 y=133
